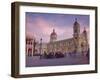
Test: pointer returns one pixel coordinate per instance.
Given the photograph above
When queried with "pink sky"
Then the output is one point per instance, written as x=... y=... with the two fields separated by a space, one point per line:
x=41 y=28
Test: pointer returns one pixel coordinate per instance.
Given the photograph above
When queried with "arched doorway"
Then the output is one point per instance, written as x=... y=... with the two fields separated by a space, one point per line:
x=30 y=52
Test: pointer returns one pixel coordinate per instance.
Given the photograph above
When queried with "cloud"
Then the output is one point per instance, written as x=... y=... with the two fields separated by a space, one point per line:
x=41 y=28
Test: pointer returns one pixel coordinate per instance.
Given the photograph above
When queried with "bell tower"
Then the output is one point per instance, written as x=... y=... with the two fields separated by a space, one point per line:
x=76 y=35
x=76 y=29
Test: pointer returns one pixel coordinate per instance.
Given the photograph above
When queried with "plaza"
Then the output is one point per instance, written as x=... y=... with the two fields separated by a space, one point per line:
x=36 y=61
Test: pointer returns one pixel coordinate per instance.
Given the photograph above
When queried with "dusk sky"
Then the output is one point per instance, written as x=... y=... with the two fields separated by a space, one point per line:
x=41 y=25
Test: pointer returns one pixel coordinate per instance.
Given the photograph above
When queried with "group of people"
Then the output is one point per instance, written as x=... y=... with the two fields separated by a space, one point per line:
x=60 y=54
x=53 y=55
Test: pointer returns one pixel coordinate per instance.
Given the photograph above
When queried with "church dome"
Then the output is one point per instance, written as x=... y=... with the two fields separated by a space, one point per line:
x=76 y=23
x=84 y=31
x=53 y=36
x=53 y=33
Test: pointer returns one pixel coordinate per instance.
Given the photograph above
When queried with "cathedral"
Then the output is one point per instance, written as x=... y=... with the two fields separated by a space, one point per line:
x=77 y=44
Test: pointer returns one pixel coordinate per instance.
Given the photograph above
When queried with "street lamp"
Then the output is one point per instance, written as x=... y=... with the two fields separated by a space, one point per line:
x=34 y=45
x=40 y=45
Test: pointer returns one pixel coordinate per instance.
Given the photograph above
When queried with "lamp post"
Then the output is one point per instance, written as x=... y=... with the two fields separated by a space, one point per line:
x=34 y=45
x=40 y=47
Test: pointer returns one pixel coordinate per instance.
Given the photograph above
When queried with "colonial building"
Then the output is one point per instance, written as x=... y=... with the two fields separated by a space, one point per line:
x=29 y=45
x=77 y=44
x=32 y=46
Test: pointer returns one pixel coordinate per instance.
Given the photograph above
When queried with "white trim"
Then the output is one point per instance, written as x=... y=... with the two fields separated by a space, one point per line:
x=68 y=68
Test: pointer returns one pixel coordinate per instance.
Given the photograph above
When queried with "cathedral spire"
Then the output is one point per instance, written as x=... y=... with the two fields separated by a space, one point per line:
x=84 y=31
x=84 y=28
x=53 y=30
x=76 y=22
x=75 y=19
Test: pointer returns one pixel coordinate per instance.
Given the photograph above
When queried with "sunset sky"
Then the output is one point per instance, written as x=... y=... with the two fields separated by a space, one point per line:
x=40 y=25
